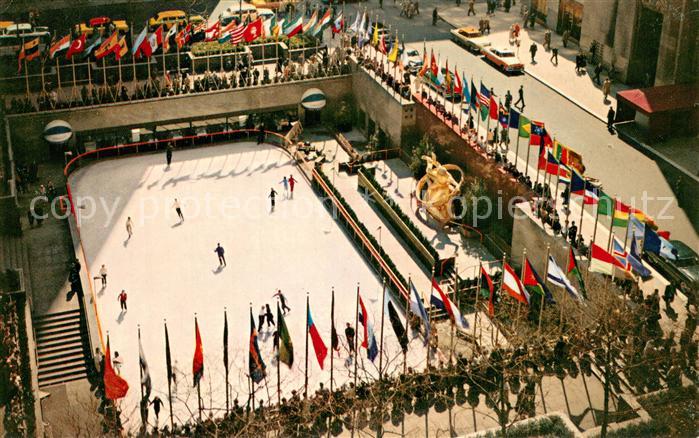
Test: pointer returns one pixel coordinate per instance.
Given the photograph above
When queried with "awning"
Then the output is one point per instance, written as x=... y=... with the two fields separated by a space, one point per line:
x=313 y=99
x=58 y=132
x=660 y=99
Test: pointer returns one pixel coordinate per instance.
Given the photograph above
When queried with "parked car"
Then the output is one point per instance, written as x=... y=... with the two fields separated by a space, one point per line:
x=470 y=38
x=100 y=24
x=274 y=4
x=684 y=270
x=168 y=19
x=503 y=58
x=414 y=60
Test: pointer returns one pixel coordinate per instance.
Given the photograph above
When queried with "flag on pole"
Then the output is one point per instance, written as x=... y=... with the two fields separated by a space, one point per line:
x=393 y=56
x=434 y=68
x=443 y=302
x=581 y=186
x=286 y=348
x=59 y=46
x=322 y=22
x=493 y=108
x=294 y=26
x=556 y=276
x=551 y=165
x=339 y=23
x=418 y=309
x=357 y=21
x=603 y=262
x=605 y=205
x=636 y=231
x=107 y=46
x=534 y=283
x=171 y=33
x=369 y=341
x=256 y=366
x=212 y=32
x=253 y=31
x=524 y=127
x=168 y=358
x=488 y=289
x=503 y=116
x=121 y=49
x=114 y=386
x=311 y=22
x=513 y=285
x=145 y=372
x=636 y=262
x=573 y=268
x=183 y=36
x=536 y=133
x=465 y=91
x=92 y=45
x=198 y=359
x=28 y=52
x=657 y=244
x=155 y=40
x=396 y=322
x=318 y=344
x=514 y=119
x=140 y=44
x=76 y=46
x=225 y=341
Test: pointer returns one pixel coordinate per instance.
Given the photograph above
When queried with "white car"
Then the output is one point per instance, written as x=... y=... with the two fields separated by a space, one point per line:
x=503 y=58
x=414 y=60
x=470 y=38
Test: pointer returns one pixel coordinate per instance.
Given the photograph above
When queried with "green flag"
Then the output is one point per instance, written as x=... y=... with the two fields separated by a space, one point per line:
x=524 y=126
x=605 y=205
x=286 y=348
x=485 y=110
x=573 y=268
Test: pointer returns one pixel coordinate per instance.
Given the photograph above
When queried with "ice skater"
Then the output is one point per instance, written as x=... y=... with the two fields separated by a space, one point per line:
x=103 y=275
x=261 y=318
x=178 y=209
x=292 y=183
x=282 y=300
x=129 y=226
x=220 y=252
x=122 y=300
x=272 y=195
x=270 y=316
x=285 y=182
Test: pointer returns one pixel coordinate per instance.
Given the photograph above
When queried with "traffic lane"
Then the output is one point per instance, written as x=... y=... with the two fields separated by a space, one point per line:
x=624 y=171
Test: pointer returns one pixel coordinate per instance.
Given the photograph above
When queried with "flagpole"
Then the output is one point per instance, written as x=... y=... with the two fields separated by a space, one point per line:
x=26 y=75
x=305 y=372
x=546 y=276
x=475 y=313
x=521 y=275
x=517 y=146
x=225 y=318
x=75 y=85
x=429 y=321
x=279 y=356
x=356 y=355
x=582 y=212
x=594 y=229
x=332 y=328
x=407 y=323
x=133 y=57
x=453 y=326
x=502 y=282
x=58 y=74
x=169 y=384
x=140 y=374
x=383 y=314
x=198 y=380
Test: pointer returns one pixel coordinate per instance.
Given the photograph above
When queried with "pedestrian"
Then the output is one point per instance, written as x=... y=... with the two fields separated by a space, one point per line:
x=129 y=226
x=99 y=358
x=261 y=318
x=566 y=37
x=103 y=274
x=292 y=183
x=435 y=16
x=122 y=300
x=349 y=334
x=157 y=404
x=471 y=8
x=669 y=297
x=285 y=183
x=117 y=362
x=520 y=99
x=272 y=195
x=270 y=316
x=508 y=100
x=220 y=252
x=178 y=209
x=598 y=72
x=610 y=118
x=275 y=341
x=572 y=233
x=606 y=88
x=532 y=49
x=554 y=55
x=168 y=154
x=282 y=300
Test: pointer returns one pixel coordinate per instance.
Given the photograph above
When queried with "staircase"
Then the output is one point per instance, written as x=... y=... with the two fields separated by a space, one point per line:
x=61 y=347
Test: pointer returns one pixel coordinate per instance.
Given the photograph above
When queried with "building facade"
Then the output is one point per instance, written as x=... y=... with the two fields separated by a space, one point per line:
x=649 y=42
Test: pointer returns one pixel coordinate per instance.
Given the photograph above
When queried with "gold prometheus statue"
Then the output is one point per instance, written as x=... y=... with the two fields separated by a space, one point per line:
x=440 y=188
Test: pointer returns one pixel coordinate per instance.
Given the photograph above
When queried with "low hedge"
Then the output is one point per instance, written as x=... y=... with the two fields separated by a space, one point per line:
x=406 y=220
x=214 y=47
x=544 y=427
x=363 y=228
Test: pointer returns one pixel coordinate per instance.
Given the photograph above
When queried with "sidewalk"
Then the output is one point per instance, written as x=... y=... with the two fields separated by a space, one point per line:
x=579 y=89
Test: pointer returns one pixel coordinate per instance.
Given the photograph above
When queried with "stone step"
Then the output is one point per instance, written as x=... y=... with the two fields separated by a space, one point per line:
x=62 y=377
x=76 y=362
x=62 y=354
x=46 y=335
x=59 y=342
x=50 y=316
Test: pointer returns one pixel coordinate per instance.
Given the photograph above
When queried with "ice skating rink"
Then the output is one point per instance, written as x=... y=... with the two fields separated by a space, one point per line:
x=170 y=271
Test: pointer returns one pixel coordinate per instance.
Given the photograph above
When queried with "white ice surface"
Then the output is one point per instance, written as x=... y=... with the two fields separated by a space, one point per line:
x=169 y=270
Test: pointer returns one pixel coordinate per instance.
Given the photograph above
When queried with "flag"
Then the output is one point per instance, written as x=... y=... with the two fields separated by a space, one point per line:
x=484 y=96
x=434 y=68
x=253 y=31
x=573 y=268
x=503 y=117
x=311 y=22
x=514 y=119
x=621 y=214
x=551 y=165
x=603 y=262
x=369 y=341
x=323 y=22
x=365 y=35
x=168 y=358
x=183 y=36
x=489 y=289
x=556 y=276
x=636 y=263
x=465 y=91
x=418 y=309
x=605 y=204
x=76 y=46
x=294 y=26
x=256 y=366
x=318 y=344
x=382 y=45
x=237 y=35
x=355 y=27
x=212 y=32
x=493 y=108
x=513 y=285
x=568 y=156
x=620 y=254
x=534 y=284
x=140 y=45
x=579 y=185
x=267 y=26
x=29 y=51
x=636 y=231
x=396 y=323
x=459 y=87
x=107 y=46
x=225 y=34
x=536 y=134
x=155 y=40
x=375 y=35
x=425 y=65
x=339 y=23
x=121 y=49
x=657 y=244
x=168 y=37
x=198 y=360
x=278 y=27
x=145 y=372
x=447 y=77
x=443 y=302
x=92 y=45
x=524 y=127
x=474 y=95
x=286 y=348
x=225 y=341
x=114 y=386
x=59 y=45
x=393 y=56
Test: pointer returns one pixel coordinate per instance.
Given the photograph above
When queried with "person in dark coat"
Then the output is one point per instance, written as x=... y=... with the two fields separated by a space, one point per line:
x=610 y=119
x=270 y=316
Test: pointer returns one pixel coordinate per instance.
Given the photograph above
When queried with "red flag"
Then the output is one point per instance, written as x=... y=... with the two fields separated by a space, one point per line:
x=253 y=30
x=198 y=361
x=114 y=386
x=459 y=89
x=318 y=344
x=493 y=108
x=491 y=290
x=77 y=46
x=433 y=65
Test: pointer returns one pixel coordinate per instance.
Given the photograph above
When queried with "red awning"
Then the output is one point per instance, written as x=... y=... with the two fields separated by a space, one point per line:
x=661 y=99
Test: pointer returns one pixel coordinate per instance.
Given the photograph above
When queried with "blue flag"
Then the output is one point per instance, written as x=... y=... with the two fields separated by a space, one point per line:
x=514 y=118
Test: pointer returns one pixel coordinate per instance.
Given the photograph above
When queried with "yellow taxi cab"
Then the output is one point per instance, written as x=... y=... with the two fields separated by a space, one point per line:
x=195 y=20
x=273 y=4
x=99 y=24
x=168 y=18
x=4 y=25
